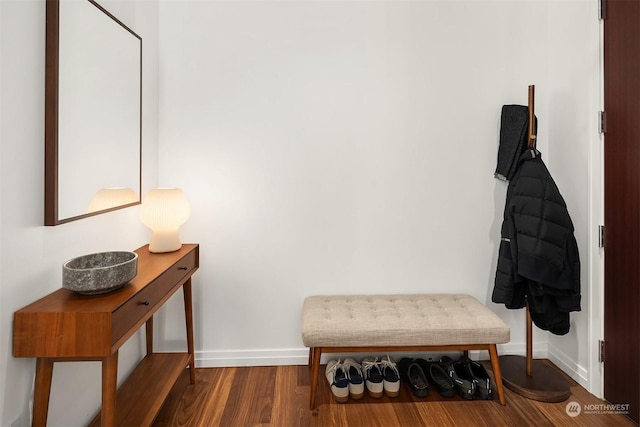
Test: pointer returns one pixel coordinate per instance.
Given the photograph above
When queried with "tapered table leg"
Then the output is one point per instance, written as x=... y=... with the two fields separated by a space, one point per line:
x=149 y=335
x=188 y=312
x=44 y=372
x=109 y=389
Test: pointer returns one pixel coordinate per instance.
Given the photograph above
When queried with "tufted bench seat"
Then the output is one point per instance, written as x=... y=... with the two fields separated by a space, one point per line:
x=385 y=323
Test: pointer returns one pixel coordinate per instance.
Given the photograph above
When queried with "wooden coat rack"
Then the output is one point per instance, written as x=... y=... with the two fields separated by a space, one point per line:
x=533 y=379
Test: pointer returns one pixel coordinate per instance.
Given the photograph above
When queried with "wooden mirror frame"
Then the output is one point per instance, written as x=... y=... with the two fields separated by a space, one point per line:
x=52 y=76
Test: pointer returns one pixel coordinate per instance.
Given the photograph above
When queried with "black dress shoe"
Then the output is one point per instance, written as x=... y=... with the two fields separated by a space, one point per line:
x=437 y=375
x=462 y=380
x=414 y=376
x=481 y=378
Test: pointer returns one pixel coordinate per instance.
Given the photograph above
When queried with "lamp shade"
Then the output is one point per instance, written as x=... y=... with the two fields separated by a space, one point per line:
x=112 y=197
x=164 y=210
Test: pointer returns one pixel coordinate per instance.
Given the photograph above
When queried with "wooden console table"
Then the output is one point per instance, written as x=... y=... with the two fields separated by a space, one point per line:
x=65 y=326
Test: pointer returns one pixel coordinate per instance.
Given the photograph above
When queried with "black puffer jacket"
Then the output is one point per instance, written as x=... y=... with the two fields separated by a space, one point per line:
x=538 y=260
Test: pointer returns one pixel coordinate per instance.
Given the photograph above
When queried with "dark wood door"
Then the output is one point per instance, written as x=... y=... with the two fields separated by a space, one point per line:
x=622 y=203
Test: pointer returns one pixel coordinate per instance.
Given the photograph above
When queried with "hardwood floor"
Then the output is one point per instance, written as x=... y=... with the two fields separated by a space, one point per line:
x=278 y=396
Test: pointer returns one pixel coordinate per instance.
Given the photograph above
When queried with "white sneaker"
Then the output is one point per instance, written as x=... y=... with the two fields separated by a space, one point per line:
x=391 y=376
x=354 y=376
x=373 y=376
x=337 y=377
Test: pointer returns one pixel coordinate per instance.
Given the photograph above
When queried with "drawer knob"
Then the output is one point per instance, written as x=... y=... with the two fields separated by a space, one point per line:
x=144 y=302
x=183 y=268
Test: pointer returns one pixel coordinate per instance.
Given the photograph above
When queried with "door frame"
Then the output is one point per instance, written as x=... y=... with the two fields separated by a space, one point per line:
x=596 y=253
x=627 y=17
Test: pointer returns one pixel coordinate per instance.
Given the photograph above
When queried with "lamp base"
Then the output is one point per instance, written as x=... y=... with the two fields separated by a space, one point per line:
x=164 y=241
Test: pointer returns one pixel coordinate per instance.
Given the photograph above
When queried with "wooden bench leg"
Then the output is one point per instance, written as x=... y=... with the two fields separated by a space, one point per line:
x=311 y=349
x=316 y=352
x=495 y=365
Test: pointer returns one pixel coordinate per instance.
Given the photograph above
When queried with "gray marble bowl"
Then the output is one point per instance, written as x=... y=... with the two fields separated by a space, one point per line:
x=99 y=273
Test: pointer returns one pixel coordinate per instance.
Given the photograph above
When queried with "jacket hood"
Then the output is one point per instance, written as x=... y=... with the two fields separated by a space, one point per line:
x=514 y=127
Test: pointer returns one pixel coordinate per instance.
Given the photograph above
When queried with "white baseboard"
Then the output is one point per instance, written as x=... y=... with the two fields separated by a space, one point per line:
x=569 y=366
x=253 y=357
x=300 y=356
x=540 y=349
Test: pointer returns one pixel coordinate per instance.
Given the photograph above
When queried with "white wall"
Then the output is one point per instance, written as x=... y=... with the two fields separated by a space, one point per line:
x=574 y=160
x=349 y=147
x=31 y=254
x=326 y=147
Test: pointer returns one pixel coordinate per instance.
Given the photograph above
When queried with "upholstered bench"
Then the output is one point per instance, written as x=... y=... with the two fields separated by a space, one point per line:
x=387 y=323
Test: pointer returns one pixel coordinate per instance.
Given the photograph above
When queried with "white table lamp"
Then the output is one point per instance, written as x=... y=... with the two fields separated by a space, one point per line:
x=164 y=210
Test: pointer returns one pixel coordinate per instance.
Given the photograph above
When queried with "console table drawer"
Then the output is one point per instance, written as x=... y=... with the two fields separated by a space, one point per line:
x=181 y=269
x=140 y=307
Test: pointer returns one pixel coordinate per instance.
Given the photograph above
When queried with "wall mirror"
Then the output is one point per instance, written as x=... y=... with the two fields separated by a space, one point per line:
x=93 y=112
